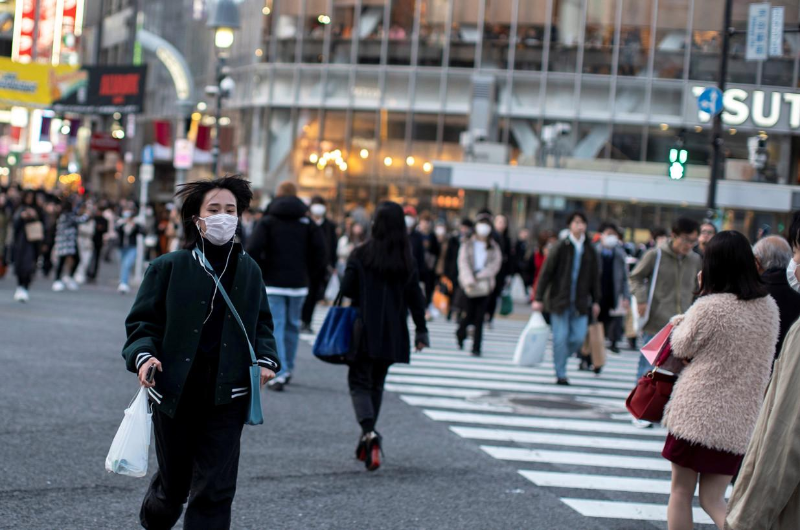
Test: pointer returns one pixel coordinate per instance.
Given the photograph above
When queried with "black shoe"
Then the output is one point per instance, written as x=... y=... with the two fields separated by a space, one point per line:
x=361 y=448
x=598 y=370
x=562 y=381
x=585 y=366
x=614 y=349
x=306 y=328
x=476 y=353
x=460 y=342
x=632 y=344
x=374 y=451
x=287 y=379
x=276 y=386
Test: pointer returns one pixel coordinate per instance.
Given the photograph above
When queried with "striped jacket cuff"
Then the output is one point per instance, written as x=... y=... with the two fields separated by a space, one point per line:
x=267 y=363
x=142 y=358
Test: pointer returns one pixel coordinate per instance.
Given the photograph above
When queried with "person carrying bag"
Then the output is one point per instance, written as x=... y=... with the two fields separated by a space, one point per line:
x=200 y=338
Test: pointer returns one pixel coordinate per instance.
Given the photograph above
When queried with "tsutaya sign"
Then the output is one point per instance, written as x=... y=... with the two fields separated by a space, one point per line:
x=759 y=109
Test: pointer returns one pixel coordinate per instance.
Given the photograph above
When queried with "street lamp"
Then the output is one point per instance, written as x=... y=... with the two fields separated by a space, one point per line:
x=224 y=20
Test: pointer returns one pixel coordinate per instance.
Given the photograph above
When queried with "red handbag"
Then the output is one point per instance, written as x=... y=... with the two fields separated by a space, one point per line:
x=651 y=394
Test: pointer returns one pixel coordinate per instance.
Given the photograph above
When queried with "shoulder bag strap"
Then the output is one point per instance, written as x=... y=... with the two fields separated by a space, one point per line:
x=206 y=265
x=653 y=280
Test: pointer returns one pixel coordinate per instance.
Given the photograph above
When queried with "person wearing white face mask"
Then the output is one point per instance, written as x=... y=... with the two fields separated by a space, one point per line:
x=615 y=298
x=192 y=354
x=479 y=261
x=316 y=287
x=793 y=270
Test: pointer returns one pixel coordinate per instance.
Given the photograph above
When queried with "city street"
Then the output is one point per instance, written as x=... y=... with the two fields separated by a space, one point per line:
x=470 y=443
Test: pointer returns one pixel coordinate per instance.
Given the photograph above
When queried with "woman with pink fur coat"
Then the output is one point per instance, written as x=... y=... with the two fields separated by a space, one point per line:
x=727 y=341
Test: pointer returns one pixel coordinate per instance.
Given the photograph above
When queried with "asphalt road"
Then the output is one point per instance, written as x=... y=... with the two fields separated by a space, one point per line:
x=61 y=400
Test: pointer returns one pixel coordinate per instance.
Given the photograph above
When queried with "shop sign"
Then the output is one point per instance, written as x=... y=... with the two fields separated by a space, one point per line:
x=36 y=85
x=24 y=25
x=107 y=90
x=757 y=109
x=184 y=151
x=36 y=159
x=104 y=142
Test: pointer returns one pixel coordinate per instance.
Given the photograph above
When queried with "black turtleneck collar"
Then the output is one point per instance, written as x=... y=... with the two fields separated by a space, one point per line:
x=218 y=254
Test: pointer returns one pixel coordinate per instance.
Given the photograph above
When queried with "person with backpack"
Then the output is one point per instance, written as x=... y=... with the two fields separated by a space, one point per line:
x=290 y=249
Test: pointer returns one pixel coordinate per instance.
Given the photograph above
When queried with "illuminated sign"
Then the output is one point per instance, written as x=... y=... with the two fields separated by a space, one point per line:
x=759 y=109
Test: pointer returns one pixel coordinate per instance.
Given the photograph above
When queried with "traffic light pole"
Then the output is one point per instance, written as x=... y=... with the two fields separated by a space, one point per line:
x=717 y=167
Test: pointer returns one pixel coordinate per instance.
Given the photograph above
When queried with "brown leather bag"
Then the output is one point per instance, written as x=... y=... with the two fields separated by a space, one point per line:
x=34 y=232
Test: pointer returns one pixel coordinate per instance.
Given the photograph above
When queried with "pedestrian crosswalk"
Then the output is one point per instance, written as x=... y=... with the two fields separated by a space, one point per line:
x=576 y=441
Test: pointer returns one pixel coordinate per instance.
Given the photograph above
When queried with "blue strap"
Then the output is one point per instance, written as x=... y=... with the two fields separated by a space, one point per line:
x=210 y=270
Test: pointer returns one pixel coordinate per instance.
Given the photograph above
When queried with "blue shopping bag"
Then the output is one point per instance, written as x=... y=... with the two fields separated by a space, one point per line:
x=335 y=339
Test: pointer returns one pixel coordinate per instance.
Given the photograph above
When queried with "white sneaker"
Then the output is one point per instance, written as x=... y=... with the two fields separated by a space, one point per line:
x=71 y=284
x=642 y=424
x=58 y=286
x=21 y=295
x=123 y=288
x=80 y=279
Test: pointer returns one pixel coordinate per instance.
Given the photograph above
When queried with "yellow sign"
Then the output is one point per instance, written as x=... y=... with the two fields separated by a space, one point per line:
x=37 y=85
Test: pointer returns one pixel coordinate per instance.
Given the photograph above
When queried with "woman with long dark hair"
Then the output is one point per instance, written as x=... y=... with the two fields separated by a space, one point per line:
x=727 y=341
x=28 y=236
x=381 y=279
x=182 y=330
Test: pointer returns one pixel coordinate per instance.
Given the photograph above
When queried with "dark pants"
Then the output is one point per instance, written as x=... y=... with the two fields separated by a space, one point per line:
x=491 y=308
x=365 y=379
x=198 y=458
x=62 y=260
x=476 y=312
x=95 y=263
x=315 y=294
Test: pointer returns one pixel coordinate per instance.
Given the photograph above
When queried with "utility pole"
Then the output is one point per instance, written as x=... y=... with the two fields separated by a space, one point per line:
x=717 y=168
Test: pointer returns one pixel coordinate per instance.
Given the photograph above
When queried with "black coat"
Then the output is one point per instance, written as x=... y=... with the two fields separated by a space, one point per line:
x=288 y=246
x=422 y=244
x=787 y=299
x=330 y=239
x=384 y=306
x=167 y=316
x=556 y=279
x=25 y=253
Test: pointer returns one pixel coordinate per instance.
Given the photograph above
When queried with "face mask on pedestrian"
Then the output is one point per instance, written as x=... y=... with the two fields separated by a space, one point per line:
x=610 y=240
x=318 y=210
x=410 y=222
x=483 y=230
x=441 y=231
x=220 y=228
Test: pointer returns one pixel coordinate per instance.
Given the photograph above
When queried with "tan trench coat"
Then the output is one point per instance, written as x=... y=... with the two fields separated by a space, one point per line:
x=767 y=492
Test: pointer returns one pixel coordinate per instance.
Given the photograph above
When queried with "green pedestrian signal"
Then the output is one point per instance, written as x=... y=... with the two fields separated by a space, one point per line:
x=677 y=163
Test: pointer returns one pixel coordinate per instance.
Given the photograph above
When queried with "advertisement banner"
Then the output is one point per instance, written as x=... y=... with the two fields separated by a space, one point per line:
x=108 y=89
x=24 y=24
x=37 y=85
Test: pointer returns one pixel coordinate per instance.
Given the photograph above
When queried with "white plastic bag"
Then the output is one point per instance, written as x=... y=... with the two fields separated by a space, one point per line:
x=532 y=342
x=332 y=290
x=129 y=450
x=518 y=293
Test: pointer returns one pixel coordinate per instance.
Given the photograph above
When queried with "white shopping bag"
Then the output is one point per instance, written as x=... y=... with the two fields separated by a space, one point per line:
x=332 y=290
x=518 y=293
x=532 y=342
x=129 y=450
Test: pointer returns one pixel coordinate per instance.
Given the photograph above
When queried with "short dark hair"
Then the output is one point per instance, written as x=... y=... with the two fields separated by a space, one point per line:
x=794 y=231
x=193 y=193
x=316 y=199
x=684 y=226
x=467 y=222
x=729 y=266
x=573 y=215
x=609 y=225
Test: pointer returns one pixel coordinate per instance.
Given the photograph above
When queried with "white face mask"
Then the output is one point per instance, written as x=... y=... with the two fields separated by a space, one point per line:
x=483 y=230
x=220 y=228
x=410 y=221
x=440 y=231
x=610 y=241
x=318 y=210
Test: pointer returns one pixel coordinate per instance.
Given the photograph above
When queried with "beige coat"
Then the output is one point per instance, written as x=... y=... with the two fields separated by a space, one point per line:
x=767 y=492
x=731 y=344
x=466 y=263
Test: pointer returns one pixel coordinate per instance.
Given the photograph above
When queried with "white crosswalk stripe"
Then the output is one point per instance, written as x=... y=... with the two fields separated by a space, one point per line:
x=587 y=451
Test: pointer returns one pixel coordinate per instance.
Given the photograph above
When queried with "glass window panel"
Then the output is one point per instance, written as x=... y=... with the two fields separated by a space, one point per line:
x=464 y=33
x=428 y=89
x=706 y=40
x=635 y=37
x=566 y=28
x=523 y=141
x=366 y=92
x=286 y=27
x=454 y=125
x=397 y=91
x=599 y=39
x=370 y=32
x=559 y=98
x=595 y=97
x=363 y=158
x=629 y=102
x=496 y=32
x=525 y=96
x=343 y=30
x=673 y=18
x=433 y=31
x=393 y=146
x=459 y=91
x=424 y=148
x=779 y=71
x=316 y=23
x=401 y=29
x=334 y=129
x=626 y=142
x=337 y=91
x=283 y=87
x=666 y=102
x=530 y=34
x=310 y=92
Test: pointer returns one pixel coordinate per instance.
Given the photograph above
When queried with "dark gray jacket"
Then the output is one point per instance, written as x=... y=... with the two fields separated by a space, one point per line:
x=555 y=280
x=621 y=287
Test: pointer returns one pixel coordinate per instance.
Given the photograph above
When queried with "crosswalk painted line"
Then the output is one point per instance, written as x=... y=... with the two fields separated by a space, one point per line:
x=434 y=391
x=591 y=426
x=454 y=404
x=628 y=510
x=573 y=458
x=549 y=438
x=550 y=479
x=506 y=386
x=489 y=376
x=580 y=377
